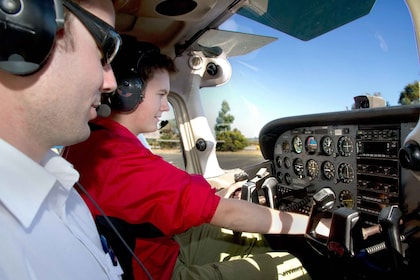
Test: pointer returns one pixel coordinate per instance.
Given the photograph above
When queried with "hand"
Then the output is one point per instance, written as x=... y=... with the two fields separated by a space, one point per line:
x=232 y=191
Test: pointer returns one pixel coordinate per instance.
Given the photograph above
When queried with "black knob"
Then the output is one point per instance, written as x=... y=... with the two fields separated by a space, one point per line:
x=212 y=69
x=409 y=156
x=201 y=144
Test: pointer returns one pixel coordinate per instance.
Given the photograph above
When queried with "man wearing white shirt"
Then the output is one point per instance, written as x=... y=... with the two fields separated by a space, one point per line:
x=52 y=74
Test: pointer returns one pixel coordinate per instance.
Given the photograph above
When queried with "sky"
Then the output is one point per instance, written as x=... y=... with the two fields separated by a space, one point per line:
x=376 y=53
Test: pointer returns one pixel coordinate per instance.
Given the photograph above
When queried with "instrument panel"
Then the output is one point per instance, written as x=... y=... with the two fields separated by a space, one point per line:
x=354 y=153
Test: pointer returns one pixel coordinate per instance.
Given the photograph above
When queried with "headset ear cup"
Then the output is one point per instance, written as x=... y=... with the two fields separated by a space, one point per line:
x=127 y=96
x=28 y=33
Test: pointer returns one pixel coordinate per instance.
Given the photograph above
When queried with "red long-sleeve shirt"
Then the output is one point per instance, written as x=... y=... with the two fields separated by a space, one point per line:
x=131 y=183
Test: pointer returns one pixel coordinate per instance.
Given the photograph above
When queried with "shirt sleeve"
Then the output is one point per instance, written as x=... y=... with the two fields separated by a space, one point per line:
x=135 y=185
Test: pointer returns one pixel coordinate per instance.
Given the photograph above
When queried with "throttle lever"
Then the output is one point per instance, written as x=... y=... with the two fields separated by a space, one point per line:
x=389 y=220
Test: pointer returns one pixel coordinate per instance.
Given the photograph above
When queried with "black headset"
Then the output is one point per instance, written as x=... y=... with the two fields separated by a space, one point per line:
x=129 y=93
x=127 y=96
x=27 y=33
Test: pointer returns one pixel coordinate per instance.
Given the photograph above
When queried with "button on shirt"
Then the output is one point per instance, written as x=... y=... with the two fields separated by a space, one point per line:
x=47 y=231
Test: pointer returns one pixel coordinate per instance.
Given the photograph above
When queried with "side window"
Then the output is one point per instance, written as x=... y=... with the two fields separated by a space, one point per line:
x=166 y=141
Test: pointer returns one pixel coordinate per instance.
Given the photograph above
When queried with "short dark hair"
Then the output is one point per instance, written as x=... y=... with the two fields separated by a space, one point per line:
x=140 y=59
x=152 y=62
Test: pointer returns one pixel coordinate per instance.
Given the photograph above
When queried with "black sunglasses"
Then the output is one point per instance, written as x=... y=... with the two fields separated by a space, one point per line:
x=107 y=39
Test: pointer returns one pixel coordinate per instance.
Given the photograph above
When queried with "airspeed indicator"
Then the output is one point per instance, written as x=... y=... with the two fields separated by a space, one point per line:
x=297 y=144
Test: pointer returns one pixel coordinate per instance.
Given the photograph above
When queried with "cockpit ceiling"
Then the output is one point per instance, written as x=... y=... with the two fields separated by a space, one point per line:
x=170 y=23
x=176 y=25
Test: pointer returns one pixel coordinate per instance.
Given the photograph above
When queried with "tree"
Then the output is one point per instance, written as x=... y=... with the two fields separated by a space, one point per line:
x=231 y=141
x=228 y=140
x=223 y=120
x=410 y=95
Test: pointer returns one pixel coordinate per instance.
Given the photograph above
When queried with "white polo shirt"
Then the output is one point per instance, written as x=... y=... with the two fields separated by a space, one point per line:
x=46 y=229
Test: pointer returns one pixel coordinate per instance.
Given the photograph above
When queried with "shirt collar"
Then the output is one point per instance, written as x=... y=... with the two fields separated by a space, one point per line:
x=111 y=125
x=25 y=183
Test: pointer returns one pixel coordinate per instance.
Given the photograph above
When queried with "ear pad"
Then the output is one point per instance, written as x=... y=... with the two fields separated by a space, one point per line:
x=126 y=66
x=27 y=33
x=127 y=96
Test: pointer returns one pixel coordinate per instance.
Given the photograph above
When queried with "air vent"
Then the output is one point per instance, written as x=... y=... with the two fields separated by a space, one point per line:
x=175 y=7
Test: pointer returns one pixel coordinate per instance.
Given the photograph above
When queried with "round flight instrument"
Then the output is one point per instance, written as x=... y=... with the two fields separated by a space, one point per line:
x=311 y=145
x=345 y=173
x=328 y=170
x=288 y=178
x=327 y=145
x=313 y=169
x=285 y=146
x=345 y=146
x=346 y=199
x=287 y=162
x=298 y=167
x=297 y=144
x=279 y=161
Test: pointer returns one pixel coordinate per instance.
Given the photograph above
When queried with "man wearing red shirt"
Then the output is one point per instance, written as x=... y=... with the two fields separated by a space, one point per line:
x=172 y=219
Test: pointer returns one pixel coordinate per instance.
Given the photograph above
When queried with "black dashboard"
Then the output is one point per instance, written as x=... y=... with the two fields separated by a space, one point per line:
x=355 y=155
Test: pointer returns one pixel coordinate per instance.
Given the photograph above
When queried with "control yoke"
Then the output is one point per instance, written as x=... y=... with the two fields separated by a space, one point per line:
x=389 y=219
x=323 y=201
